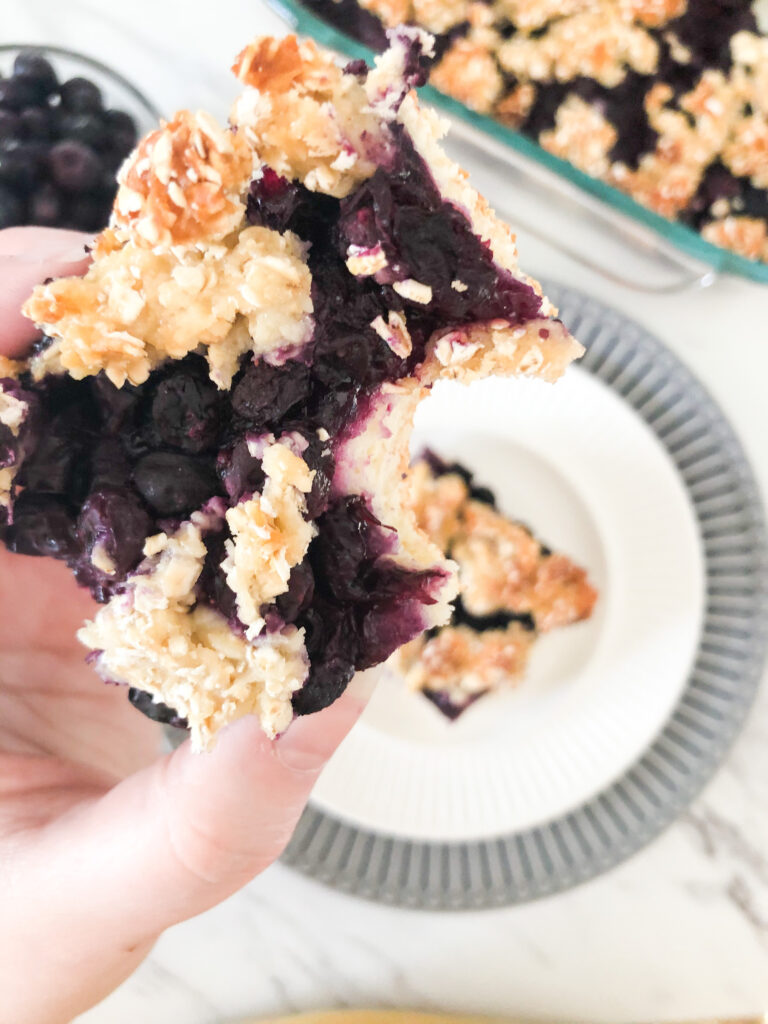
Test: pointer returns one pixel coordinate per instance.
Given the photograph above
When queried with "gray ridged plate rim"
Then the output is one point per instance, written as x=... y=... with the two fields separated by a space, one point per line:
x=718 y=694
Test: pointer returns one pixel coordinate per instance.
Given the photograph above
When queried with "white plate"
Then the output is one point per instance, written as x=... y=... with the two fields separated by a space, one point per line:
x=577 y=464
x=629 y=466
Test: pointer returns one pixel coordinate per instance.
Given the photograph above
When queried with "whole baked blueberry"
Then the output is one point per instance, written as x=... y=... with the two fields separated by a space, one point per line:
x=80 y=95
x=33 y=68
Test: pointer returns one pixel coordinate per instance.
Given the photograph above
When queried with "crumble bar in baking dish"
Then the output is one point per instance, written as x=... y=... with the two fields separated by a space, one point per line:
x=666 y=100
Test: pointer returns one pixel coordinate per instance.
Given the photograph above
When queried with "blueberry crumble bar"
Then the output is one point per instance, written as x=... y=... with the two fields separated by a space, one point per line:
x=666 y=100
x=213 y=431
x=511 y=588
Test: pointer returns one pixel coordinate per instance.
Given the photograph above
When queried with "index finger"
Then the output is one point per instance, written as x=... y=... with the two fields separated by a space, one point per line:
x=28 y=256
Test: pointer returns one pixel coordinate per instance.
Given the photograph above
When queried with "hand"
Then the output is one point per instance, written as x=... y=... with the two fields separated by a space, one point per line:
x=104 y=843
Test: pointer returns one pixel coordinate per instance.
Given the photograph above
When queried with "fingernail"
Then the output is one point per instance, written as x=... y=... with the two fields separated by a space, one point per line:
x=74 y=254
x=70 y=255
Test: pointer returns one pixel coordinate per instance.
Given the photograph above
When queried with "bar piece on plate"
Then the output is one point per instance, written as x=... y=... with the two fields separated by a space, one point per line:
x=511 y=589
x=213 y=432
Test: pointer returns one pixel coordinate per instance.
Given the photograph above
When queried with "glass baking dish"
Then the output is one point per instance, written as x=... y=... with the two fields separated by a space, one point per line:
x=654 y=254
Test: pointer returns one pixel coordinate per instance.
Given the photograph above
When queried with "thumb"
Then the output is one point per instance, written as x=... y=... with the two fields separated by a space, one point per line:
x=28 y=256
x=185 y=833
x=162 y=846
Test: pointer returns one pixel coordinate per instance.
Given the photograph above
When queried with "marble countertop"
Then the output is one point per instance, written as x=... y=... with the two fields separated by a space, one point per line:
x=679 y=931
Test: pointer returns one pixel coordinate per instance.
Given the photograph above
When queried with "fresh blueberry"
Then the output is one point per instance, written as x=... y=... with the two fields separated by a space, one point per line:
x=109 y=465
x=185 y=412
x=121 y=131
x=298 y=597
x=86 y=127
x=239 y=471
x=9 y=124
x=35 y=123
x=350 y=540
x=272 y=201
x=331 y=638
x=17 y=93
x=74 y=167
x=20 y=163
x=79 y=95
x=32 y=66
x=12 y=208
x=212 y=586
x=88 y=212
x=265 y=393
x=45 y=207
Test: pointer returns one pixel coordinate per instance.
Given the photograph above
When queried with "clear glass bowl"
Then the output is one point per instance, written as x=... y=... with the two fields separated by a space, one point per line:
x=684 y=257
x=118 y=92
x=86 y=211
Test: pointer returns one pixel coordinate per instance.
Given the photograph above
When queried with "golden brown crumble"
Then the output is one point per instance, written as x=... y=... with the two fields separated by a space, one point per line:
x=440 y=15
x=438 y=503
x=12 y=412
x=394 y=330
x=745 y=235
x=6 y=485
x=470 y=74
x=653 y=13
x=460 y=663
x=183 y=183
x=516 y=105
x=746 y=152
x=502 y=566
x=540 y=348
x=434 y=15
x=599 y=45
x=582 y=135
x=390 y=12
x=528 y=15
x=9 y=368
x=305 y=118
x=498 y=561
x=502 y=569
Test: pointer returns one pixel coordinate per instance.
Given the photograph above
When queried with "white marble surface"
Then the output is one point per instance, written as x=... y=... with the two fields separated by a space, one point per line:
x=679 y=931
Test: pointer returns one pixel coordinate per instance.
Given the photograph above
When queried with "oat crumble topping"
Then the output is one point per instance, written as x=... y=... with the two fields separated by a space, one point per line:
x=155 y=637
x=9 y=368
x=270 y=535
x=184 y=183
x=136 y=307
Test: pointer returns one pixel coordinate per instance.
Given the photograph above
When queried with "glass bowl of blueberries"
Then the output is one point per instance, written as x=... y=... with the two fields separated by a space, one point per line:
x=67 y=122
